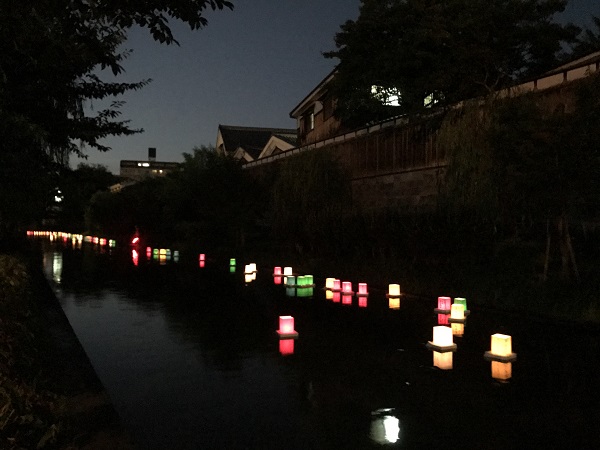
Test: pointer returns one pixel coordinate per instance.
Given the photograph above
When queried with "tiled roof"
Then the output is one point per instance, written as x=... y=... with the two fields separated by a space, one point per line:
x=251 y=139
x=291 y=139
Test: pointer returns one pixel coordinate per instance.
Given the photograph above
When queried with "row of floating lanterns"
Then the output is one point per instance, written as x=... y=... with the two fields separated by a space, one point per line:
x=76 y=239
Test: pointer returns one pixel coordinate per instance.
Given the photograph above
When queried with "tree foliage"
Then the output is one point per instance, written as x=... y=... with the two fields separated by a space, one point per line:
x=441 y=51
x=52 y=56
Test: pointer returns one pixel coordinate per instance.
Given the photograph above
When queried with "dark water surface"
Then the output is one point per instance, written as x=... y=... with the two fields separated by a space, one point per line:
x=191 y=360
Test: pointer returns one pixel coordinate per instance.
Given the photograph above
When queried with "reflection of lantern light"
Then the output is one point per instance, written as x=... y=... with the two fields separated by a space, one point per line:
x=328 y=294
x=329 y=283
x=362 y=301
x=443 y=319
x=163 y=259
x=457 y=313
x=253 y=267
x=148 y=252
x=346 y=287
x=336 y=296
x=290 y=281
x=346 y=299
x=231 y=269
x=305 y=291
x=248 y=277
x=277 y=280
x=501 y=371
x=458 y=329
x=290 y=291
x=394 y=302
x=135 y=257
x=201 y=264
x=442 y=340
x=442 y=360
x=286 y=347
x=501 y=349
x=286 y=327
x=443 y=305
x=385 y=427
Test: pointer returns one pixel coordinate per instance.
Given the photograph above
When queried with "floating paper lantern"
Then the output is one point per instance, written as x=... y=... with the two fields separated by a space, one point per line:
x=393 y=290
x=337 y=285
x=301 y=281
x=155 y=252
x=287 y=271
x=286 y=327
x=232 y=262
x=148 y=252
x=462 y=301
x=457 y=313
x=442 y=340
x=277 y=271
x=329 y=283
x=286 y=347
x=362 y=290
x=176 y=256
x=501 y=349
x=347 y=287
x=253 y=267
x=501 y=371
x=442 y=360
x=95 y=240
x=162 y=251
x=202 y=257
x=443 y=306
x=443 y=319
x=310 y=280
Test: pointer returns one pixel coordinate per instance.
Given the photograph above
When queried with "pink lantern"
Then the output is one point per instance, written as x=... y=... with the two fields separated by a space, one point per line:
x=347 y=287
x=277 y=271
x=286 y=327
x=148 y=252
x=201 y=263
x=346 y=299
x=286 y=347
x=362 y=290
x=202 y=257
x=444 y=304
x=337 y=285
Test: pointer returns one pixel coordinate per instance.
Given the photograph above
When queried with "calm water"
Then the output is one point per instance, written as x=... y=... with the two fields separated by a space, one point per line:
x=191 y=360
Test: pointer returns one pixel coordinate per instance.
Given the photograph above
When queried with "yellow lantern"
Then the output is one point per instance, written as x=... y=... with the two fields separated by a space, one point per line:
x=501 y=349
x=457 y=313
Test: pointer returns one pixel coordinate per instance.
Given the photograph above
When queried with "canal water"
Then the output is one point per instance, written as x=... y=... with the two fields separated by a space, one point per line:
x=191 y=360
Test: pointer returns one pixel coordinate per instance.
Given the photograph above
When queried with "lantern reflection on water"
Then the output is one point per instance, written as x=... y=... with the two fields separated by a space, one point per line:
x=442 y=360
x=443 y=319
x=362 y=302
x=501 y=371
x=328 y=294
x=442 y=340
x=501 y=349
x=394 y=303
x=346 y=299
x=458 y=329
x=277 y=280
x=286 y=347
x=135 y=257
x=337 y=296
x=286 y=327
x=385 y=427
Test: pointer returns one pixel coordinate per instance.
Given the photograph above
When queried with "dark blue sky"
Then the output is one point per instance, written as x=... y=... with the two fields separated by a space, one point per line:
x=250 y=67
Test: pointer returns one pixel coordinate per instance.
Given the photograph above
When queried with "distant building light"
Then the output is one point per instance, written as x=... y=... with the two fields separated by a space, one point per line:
x=145 y=164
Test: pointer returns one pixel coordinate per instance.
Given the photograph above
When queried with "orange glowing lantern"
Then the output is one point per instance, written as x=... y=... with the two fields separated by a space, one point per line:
x=501 y=349
x=286 y=328
x=286 y=347
x=442 y=340
x=442 y=360
x=328 y=294
x=443 y=305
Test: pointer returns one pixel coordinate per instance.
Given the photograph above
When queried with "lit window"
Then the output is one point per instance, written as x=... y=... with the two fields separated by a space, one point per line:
x=160 y=171
x=145 y=164
x=387 y=96
x=311 y=121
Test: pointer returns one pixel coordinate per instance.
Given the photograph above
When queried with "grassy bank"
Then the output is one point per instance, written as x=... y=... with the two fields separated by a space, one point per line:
x=50 y=397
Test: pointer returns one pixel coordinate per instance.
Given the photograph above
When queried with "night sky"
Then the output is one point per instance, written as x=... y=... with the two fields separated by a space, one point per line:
x=248 y=67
